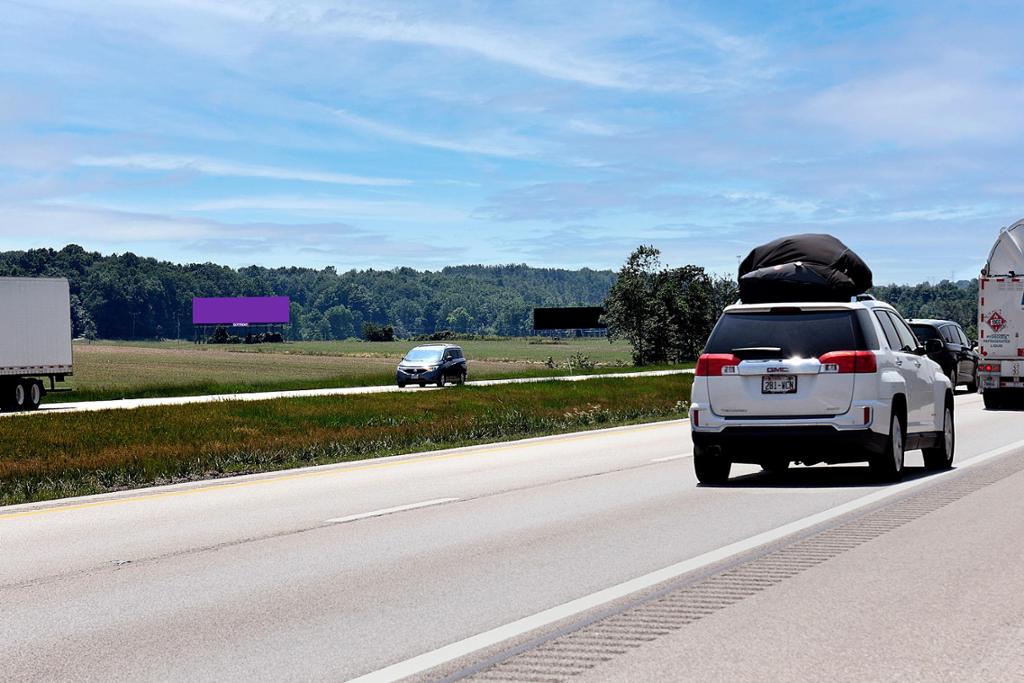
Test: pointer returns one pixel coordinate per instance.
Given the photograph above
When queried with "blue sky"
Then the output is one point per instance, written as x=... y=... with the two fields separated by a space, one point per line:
x=556 y=134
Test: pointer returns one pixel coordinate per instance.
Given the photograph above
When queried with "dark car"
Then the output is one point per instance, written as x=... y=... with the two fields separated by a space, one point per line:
x=959 y=356
x=432 y=364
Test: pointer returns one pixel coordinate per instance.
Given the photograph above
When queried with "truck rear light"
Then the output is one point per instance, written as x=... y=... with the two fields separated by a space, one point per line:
x=848 y=362
x=717 y=364
x=696 y=418
x=867 y=415
x=991 y=367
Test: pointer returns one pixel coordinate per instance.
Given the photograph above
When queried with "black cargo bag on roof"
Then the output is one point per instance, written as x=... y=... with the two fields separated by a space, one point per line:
x=803 y=268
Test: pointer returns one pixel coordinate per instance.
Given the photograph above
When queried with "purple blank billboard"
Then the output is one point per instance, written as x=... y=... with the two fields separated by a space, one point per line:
x=246 y=310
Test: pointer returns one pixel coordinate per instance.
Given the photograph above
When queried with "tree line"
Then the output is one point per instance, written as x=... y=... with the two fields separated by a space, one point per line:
x=956 y=301
x=125 y=296
x=665 y=313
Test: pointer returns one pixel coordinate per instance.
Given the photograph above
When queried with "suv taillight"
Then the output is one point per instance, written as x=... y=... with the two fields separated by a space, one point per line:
x=848 y=362
x=717 y=364
x=991 y=367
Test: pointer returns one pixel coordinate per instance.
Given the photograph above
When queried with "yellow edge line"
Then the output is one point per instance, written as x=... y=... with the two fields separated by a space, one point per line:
x=327 y=473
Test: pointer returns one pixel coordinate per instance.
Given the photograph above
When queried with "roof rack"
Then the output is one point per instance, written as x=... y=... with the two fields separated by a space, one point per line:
x=863 y=297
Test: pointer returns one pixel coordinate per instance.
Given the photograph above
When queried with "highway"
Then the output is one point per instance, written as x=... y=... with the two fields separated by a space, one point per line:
x=130 y=403
x=593 y=556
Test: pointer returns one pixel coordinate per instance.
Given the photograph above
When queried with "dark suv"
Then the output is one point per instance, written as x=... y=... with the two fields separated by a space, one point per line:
x=432 y=364
x=959 y=356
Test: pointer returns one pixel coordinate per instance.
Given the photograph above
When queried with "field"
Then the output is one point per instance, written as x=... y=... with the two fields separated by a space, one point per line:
x=528 y=349
x=54 y=456
x=108 y=370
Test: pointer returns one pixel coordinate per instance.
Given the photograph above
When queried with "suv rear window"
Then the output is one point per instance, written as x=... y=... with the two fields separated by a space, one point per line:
x=925 y=332
x=964 y=341
x=804 y=334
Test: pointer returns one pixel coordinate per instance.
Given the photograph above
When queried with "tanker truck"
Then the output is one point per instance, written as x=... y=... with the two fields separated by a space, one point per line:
x=35 y=339
x=1001 y=319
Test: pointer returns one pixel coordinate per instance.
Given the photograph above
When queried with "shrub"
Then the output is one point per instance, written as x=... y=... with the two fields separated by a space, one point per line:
x=378 y=333
x=580 y=361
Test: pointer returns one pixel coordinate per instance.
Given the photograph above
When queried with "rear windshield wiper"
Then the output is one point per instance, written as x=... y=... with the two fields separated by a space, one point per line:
x=758 y=353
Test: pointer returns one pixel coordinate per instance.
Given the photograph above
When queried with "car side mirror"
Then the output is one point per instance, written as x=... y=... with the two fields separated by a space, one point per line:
x=974 y=344
x=933 y=346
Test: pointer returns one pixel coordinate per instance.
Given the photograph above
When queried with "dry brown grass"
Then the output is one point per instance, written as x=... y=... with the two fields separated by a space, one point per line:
x=105 y=371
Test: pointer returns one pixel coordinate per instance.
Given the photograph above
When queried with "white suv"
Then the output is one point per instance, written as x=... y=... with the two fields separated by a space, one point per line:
x=818 y=382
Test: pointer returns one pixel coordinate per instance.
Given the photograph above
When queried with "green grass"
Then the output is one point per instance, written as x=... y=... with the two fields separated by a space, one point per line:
x=55 y=456
x=112 y=370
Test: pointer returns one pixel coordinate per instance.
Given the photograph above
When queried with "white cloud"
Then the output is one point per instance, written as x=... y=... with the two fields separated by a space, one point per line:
x=551 y=59
x=499 y=145
x=349 y=208
x=595 y=128
x=216 y=167
x=590 y=54
x=922 y=106
x=769 y=202
x=56 y=223
x=197 y=25
x=941 y=213
x=32 y=225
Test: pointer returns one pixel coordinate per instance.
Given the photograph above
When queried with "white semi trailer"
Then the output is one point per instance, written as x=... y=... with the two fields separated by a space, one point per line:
x=35 y=339
x=1001 y=319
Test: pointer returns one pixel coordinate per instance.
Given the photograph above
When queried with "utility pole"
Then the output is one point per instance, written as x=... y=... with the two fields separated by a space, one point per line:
x=135 y=317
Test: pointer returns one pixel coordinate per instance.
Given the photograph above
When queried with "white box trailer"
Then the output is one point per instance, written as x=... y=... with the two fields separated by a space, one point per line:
x=1001 y=319
x=35 y=339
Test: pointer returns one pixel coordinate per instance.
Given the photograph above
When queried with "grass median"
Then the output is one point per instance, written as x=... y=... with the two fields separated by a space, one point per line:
x=44 y=457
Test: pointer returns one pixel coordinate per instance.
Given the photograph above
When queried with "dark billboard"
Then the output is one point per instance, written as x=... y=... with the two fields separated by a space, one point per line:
x=575 y=318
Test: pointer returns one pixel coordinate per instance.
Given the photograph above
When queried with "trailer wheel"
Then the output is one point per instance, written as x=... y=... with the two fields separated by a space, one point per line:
x=19 y=396
x=993 y=400
x=34 y=394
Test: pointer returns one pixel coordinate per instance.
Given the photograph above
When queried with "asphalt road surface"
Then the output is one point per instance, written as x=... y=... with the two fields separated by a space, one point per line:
x=595 y=554
x=129 y=403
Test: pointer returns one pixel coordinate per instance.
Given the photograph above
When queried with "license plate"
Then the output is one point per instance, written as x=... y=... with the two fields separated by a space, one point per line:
x=778 y=384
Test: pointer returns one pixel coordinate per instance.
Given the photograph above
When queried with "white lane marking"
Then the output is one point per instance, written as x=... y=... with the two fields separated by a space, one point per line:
x=671 y=458
x=468 y=646
x=388 y=511
x=132 y=403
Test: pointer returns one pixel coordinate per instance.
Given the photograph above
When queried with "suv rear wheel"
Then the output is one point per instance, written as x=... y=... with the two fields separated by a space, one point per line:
x=889 y=465
x=941 y=457
x=710 y=466
x=972 y=386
